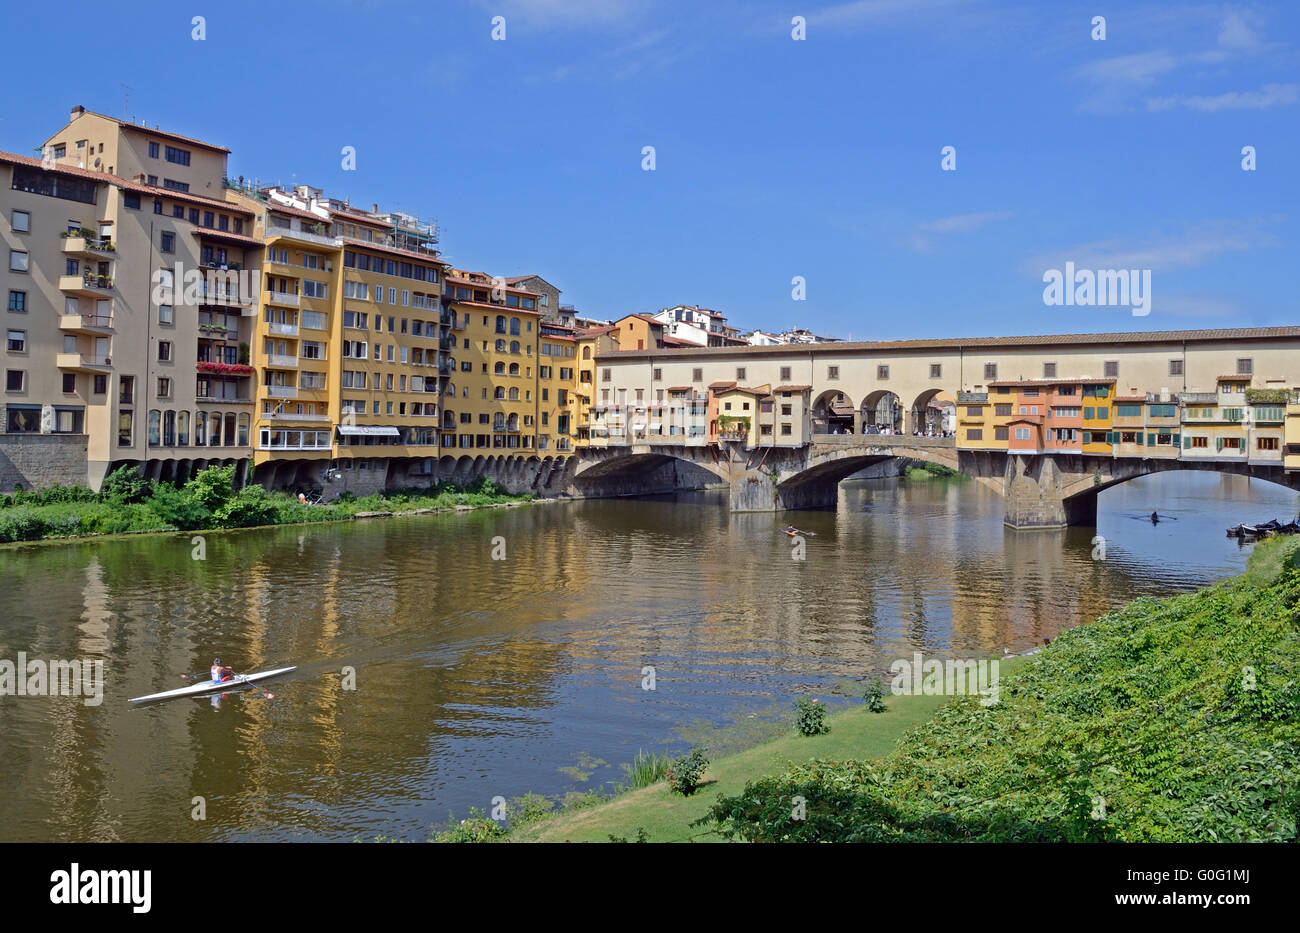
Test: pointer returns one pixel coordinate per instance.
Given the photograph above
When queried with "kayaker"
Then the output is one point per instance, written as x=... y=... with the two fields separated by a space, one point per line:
x=1155 y=518
x=790 y=529
x=220 y=674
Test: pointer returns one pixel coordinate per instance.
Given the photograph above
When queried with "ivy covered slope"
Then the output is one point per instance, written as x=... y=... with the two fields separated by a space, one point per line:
x=1174 y=720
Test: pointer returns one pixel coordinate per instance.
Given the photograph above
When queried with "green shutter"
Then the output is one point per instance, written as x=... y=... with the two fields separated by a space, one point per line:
x=1218 y=443
x=1088 y=413
x=1175 y=440
x=1112 y=437
x=1151 y=440
x=1187 y=441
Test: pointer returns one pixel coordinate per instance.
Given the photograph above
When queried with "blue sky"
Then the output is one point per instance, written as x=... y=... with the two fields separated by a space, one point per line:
x=774 y=158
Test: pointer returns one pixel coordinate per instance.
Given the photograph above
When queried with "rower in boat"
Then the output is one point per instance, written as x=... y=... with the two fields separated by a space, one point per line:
x=221 y=674
x=1155 y=518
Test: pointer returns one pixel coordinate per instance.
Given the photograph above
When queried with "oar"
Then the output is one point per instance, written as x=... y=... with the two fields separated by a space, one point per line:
x=269 y=696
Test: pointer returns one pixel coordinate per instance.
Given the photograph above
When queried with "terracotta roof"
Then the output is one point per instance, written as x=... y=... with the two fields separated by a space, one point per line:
x=678 y=342
x=680 y=388
x=722 y=385
x=594 y=331
x=361 y=218
x=1235 y=377
x=1130 y=398
x=123 y=183
x=977 y=343
x=227 y=236
x=792 y=389
x=154 y=132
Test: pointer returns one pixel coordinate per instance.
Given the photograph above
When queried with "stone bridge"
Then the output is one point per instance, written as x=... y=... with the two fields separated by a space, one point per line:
x=1040 y=491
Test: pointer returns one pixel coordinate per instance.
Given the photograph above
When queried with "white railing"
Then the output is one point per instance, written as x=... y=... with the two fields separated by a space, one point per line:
x=282 y=391
x=282 y=361
x=283 y=298
x=283 y=330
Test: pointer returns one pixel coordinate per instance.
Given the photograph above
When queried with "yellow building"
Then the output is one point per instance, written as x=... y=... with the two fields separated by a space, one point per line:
x=1098 y=411
x=557 y=383
x=592 y=343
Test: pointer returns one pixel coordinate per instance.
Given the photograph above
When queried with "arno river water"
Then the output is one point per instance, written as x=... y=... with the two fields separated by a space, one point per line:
x=478 y=677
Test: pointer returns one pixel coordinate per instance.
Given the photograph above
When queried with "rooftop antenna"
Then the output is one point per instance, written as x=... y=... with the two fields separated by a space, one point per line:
x=126 y=101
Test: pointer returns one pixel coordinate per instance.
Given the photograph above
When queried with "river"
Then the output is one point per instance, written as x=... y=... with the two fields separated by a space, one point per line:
x=478 y=677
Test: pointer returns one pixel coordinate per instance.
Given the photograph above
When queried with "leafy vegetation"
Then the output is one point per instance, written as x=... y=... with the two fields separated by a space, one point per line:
x=873 y=697
x=127 y=502
x=1174 y=720
x=685 y=773
x=646 y=769
x=810 y=717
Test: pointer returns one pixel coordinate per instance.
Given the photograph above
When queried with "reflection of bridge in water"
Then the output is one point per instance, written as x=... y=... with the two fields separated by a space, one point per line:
x=1040 y=490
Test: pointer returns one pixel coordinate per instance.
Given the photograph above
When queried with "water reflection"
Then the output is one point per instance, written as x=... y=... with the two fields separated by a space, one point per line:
x=478 y=677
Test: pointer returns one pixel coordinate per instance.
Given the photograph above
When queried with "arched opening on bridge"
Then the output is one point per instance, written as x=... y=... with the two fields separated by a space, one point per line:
x=832 y=413
x=882 y=413
x=933 y=414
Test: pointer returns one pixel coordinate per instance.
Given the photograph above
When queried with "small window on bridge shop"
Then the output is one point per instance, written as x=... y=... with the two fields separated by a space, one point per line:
x=936 y=371
x=697 y=375
x=1199 y=443
x=882 y=372
x=1049 y=370
x=785 y=373
x=655 y=376
x=785 y=429
x=1003 y=411
x=974 y=434
x=1023 y=434
x=1000 y=434
x=1266 y=443
x=991 y=372
x=1112 y=369
x=1245 y=367
x=740 y=373
x=832 y=372
x=1175 y=367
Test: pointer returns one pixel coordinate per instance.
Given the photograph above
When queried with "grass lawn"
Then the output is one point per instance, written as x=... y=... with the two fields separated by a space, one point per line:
x=666 y=816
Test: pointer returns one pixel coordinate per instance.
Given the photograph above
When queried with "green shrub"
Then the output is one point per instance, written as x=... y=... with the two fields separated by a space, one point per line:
x=684 y=773
x=248 y=507
x=810 y=717
x=475 y=828
x=874 y=697
x=125 y=484
x=177 y=509
x=21 y=523
x=212 y=487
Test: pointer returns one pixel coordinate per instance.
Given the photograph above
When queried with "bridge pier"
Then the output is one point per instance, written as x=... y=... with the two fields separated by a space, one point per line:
x=755 y=491
x=1041 y=492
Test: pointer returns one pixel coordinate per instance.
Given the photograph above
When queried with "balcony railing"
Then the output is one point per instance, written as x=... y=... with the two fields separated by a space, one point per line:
x=282 y=298
x=283 y=330
x=93 y=323
x=282 y=360
x=282 y=391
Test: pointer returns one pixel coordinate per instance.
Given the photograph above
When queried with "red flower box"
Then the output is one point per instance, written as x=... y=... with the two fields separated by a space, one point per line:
x=225 y=369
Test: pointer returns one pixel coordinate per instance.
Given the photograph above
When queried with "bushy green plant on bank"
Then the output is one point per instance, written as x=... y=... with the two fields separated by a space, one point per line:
x=1166 y=721
x=128 y=503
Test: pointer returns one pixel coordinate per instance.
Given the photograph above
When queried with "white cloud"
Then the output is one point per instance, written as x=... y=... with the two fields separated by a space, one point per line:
x=565 y=14
x=1270 y=95
x=922 y=239
x=1192 y=249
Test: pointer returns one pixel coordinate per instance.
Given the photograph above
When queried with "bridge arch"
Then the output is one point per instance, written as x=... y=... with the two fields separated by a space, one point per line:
x=833 y=413
x=882 y=409
x=919 y=415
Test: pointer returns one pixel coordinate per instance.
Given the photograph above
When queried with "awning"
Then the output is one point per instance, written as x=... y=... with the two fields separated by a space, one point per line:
x=372 y=430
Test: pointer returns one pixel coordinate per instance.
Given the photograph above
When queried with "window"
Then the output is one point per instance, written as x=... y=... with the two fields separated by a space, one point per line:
x=1266 y=443
x=1023 y=434
x=1049 y=370
x=974 y=434
x=974 y=411
x=165 y=315
x=16 y=341
x=126 y=390
x=100 y=385
x=17 y=260
x=1000 y=434
x=1245 y=367
x=740 y=373
x=153 y=150
x=697 y=374
x=1176 y=368
x=131 y=200
x=1200 y=442
x=125 y=422
x=17 y=301
x=178 y=210
x=882 y=373
x=936 y=370
x=15 y=379
x=157 y=206
x=164 y=350
x=990 y=371
x=167 y=242
x=164 y=387
x=1112 y=369
x=1002 y=410
x=172 y=185
x=21 y=222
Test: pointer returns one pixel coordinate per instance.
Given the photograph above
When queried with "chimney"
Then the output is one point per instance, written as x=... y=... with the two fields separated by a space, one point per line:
x=76 y=112
x=374 y=208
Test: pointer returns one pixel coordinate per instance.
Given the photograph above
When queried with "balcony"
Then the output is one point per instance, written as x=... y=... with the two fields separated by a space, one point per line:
x=222 y=400
x=293 y=416
x=282 y=330
x=83 y=362
x=1198 y=398
x=281 y=391
x=303 y=236
x=212 y=368
x=226 y=298
x=101 y=325
x=88 y=247
x=87 y=285
x=281 y=361
x=282 y=298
